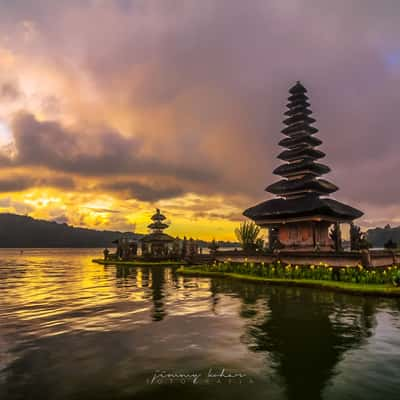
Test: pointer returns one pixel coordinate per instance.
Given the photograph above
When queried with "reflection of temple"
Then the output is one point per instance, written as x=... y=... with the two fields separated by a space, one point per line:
x=299 y=219
x=306 y=356
x=157 y=290
x=304 y=332
x=153 y=280
x=157 y=243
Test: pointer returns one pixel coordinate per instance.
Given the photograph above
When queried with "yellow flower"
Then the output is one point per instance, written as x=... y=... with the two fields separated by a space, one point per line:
x=330 y=268
x=297 y=267
x=312 y=266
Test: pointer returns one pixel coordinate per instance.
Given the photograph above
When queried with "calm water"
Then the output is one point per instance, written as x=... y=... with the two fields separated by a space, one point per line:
x=70 y=329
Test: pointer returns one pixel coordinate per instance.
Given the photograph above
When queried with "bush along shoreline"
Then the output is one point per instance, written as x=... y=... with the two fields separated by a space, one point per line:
x=356 y=279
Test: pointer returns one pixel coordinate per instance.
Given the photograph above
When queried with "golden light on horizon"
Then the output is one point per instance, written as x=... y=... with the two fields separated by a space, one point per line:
x=105 y=212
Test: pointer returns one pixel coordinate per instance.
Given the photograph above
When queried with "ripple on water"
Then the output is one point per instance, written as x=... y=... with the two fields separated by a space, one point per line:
x=70 y=329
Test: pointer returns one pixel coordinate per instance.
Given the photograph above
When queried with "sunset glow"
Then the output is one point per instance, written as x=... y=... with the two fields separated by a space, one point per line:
x=101 y=123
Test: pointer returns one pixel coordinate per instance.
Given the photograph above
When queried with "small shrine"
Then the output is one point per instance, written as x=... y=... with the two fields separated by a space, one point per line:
x=127 y=246
x=301 y=214
x=157 y=243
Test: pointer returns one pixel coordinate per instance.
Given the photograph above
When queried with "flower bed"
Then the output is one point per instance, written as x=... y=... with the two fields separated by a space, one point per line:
x=320 y=272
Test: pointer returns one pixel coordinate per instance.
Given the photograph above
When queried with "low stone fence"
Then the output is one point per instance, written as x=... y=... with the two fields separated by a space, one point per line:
x=373 y=258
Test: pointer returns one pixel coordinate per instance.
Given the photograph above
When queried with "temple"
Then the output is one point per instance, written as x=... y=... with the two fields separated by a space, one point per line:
x=157 y=243
x=300 y=216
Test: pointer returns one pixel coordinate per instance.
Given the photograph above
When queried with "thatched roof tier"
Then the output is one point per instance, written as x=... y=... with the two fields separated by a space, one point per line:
x=301 y=108
x=299 y=140
x=158 y=216
x=303 y=167
x=301 y=154
x=298 y=97
x=297 y=88
x=307 y=206
x=299 y=128
x=157 y=237
x=297 y=118
x=157 y=225
x=300 y=186
x=297 y=104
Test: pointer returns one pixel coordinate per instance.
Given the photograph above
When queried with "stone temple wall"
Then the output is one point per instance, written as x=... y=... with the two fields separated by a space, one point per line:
x=301 y=235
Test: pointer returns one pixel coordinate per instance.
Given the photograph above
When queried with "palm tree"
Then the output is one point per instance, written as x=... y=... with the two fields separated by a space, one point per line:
x=247 y=234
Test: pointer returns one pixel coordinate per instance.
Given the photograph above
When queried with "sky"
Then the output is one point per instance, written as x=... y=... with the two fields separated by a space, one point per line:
x=109 y=109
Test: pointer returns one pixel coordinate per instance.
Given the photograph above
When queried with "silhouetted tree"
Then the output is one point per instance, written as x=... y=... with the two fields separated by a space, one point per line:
x=247 y=234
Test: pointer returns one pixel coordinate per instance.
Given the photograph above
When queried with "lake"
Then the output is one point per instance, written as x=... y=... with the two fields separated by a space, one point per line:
x=71 y=329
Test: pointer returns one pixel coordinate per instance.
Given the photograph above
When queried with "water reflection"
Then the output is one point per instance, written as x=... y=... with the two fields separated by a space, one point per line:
x=307 y=340
x=304 y=333
x=147 y=277
x=70 y=329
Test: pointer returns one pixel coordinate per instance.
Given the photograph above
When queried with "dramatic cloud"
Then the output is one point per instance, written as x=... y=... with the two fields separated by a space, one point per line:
x=144 y=192
x=97 y=153
x=156 y=100
x=16 y=183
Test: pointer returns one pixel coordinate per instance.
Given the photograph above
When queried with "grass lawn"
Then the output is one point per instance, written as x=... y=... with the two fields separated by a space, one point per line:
x=138 y=263
x=387 y=290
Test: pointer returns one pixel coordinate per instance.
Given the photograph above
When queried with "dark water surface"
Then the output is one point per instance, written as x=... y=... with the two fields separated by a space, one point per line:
x=70 y=329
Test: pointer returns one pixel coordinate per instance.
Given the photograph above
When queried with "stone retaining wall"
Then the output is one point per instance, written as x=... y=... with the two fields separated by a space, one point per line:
x=378 y=258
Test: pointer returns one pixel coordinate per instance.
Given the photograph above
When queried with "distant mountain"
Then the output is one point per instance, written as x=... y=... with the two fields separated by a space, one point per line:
x=23 y=231
x=379 y=236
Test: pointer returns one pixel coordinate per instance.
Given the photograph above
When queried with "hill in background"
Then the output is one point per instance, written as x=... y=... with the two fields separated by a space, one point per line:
x=23 y=231
x=379 y=236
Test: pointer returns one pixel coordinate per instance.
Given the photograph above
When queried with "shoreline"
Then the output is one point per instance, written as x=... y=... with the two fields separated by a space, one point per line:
x=378 y=290
x=136 y=263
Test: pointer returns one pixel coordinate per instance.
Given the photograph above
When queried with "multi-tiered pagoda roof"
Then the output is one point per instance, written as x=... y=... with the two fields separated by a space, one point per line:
x=301 y=187
x=157 y=227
